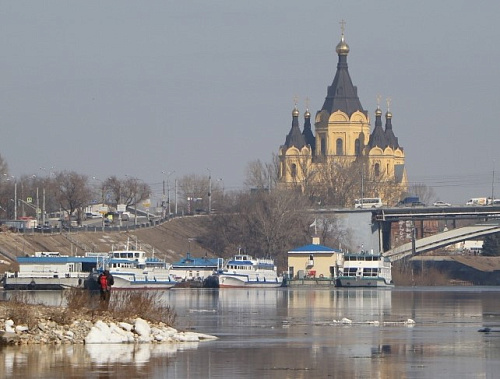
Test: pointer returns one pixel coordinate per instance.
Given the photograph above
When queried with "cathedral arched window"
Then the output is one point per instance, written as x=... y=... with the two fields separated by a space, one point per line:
x=293 y=170
x=340 y=147
x=323 y=146
x=377 y=169
x=357 y=147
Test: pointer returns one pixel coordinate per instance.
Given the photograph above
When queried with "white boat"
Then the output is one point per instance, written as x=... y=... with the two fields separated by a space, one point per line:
x=365 y=269
x=244 y=271
x=132 y=269
x=50 y=271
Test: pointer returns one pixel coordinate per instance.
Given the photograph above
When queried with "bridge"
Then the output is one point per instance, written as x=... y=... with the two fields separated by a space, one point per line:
x=485 y=218
x=440 y=240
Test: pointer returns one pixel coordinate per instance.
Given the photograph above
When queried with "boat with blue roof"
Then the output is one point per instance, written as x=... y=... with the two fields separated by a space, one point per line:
x=134 y=270
x=196 y=272
x=49 y=270
x=245 y=271
x=131 y=269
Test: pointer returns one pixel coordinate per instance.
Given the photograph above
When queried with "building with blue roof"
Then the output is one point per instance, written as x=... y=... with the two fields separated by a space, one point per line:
x=313 y=261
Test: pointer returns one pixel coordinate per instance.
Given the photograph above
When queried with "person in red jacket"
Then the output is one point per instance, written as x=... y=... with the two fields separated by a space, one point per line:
x=105 y=282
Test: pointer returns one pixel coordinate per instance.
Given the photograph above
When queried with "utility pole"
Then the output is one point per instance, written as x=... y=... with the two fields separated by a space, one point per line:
x=175 y=197
x=15 y=200
x=43 y=206
x=37 y=208
x=209 y=191
x=493 y=185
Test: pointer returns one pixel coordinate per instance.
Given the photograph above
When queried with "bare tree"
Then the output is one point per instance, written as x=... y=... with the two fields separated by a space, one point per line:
x=5 y=188
x=256 y=175
x=72 y=192
x=332 y=234
x=338 y=181
x=111 y=190
x=133 y=191
x=424 y=193
x=4 y=167
x=193 y=191
x=266 y=224
x=128 y=191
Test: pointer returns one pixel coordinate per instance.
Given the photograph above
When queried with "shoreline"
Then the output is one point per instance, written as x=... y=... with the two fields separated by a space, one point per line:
x=56 y=325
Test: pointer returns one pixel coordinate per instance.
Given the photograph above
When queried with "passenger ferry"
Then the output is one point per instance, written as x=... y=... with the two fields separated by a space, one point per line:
x=49 y=270
x=365 y=269
x=132 y=269
x=245 y=271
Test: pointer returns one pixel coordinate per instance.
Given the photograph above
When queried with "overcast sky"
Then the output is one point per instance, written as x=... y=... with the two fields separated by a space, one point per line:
x=140 y=87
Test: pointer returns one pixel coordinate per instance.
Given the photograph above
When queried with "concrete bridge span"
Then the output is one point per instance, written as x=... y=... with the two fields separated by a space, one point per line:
x=441 y=239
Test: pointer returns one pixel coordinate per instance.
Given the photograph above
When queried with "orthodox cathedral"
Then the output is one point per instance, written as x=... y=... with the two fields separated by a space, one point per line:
x=343 y=153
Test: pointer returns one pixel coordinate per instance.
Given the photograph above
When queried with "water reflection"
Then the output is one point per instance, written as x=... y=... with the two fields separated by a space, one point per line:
x=73 y=361
x=296 y=333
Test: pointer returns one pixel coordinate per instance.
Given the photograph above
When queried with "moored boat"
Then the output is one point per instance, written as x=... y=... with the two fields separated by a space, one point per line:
x=50 y=271
x=192 y=272
x=132 y=269
x=365 y=269
x=245 y=271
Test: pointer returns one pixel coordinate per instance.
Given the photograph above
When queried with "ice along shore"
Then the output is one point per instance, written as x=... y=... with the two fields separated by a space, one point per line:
x=46 y=328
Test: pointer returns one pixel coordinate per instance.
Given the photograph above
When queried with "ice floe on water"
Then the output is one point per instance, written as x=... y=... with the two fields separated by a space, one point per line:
x=345 y=321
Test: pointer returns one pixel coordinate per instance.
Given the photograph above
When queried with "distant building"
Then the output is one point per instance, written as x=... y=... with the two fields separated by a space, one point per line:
x=342 y=137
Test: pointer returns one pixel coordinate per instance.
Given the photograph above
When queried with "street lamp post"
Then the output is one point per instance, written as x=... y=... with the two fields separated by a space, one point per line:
x=175 y=195
x=222 y=197
x=102 y=202
x=167 y=175
x=15 y=199
x=209 y=191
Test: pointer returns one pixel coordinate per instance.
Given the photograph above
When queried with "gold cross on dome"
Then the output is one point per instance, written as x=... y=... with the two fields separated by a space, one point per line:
x=342 y=26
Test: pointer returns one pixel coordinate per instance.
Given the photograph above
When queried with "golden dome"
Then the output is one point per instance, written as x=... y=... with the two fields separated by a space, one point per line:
x=342 y=47
x=378 y=112
x=295 y=112
x=307 y=114
x=388 y=114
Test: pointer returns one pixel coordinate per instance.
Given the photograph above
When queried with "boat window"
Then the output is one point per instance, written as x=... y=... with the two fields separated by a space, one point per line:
x=370 y=272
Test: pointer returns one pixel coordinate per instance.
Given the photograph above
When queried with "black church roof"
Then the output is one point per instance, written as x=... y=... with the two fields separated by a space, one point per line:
x=342 y=94
x=295 y=137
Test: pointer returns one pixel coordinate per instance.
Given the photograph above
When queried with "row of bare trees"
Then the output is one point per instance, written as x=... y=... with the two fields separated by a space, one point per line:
x=262 y=219
x=337 y=182
x=67 y=191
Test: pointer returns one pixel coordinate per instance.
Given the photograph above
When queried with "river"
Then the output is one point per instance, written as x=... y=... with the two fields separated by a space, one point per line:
x=295 y=333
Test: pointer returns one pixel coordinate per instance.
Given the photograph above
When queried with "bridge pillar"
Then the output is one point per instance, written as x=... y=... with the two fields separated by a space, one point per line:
x=385 y=235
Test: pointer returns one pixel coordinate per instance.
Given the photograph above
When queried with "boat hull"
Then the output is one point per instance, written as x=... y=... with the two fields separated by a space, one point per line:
x=131 y=282
x=347 y=281
x=234 y=281
x=42 y=283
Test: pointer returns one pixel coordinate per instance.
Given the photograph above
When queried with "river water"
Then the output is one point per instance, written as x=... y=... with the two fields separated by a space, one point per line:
x=295 y=333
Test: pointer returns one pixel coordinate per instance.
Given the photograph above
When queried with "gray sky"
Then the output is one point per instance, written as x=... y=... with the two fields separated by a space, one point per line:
x=140 y=87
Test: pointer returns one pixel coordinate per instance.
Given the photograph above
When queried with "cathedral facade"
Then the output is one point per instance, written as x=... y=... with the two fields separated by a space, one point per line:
x=343 y=159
